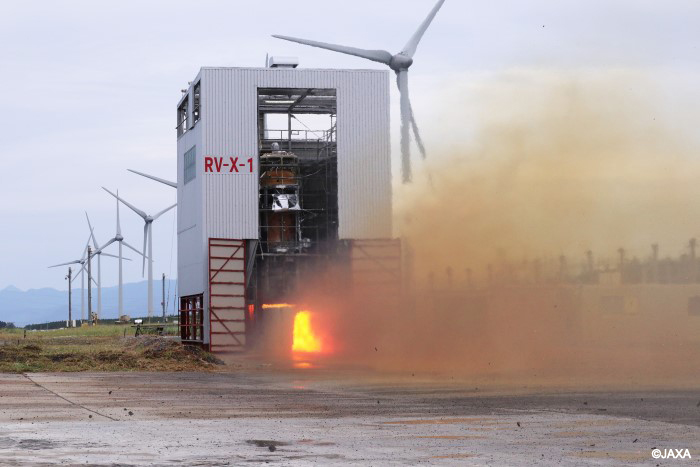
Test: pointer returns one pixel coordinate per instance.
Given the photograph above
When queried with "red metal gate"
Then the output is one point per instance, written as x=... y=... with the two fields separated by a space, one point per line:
x=227 y=301
x=192 y=319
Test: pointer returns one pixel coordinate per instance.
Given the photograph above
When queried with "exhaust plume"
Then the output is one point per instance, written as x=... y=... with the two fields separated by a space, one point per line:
x=561 y=172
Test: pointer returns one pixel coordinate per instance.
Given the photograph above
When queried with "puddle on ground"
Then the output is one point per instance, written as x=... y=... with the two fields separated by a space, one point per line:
x=262 y=443
x=7 y=443
x=35 y=444
x=315 y=443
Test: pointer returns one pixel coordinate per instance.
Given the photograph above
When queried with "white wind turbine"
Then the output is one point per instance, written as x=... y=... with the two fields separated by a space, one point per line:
x=147 y=238
x=83 y=262
x=119 y=239
x=400 y=63
x=153 y=177
x=99 y=267
x=99 y=253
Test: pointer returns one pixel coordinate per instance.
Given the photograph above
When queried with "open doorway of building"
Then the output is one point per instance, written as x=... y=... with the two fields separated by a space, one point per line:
x=298 y=170
x=298 y=207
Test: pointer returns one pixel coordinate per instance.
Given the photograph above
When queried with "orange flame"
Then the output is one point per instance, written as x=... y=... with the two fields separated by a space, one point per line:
x=305 y=339
x=277 y=306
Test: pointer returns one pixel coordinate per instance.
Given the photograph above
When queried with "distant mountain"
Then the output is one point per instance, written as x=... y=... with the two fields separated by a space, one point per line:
x=45 y=305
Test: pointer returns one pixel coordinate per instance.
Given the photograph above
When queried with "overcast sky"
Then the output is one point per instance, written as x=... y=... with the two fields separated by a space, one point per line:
x=90 y=88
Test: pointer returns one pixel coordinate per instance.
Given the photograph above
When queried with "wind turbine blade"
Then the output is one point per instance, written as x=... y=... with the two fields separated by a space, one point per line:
x=416 y=132
x=102 y=253
x=164 y=211
x=145 y=237
x=161 y=180
x=134 y=249
x=130 y=206
x=402 y=81
x=99 y=250
x=381 y=56
x=119 y=224
x=65 y=264
x=92 y=233
x=75 y=276
x=412 y=45
x=87 y=245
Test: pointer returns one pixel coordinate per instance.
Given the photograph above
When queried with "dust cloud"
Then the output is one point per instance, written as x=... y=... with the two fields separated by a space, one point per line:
x=495 y=232
x=556 y=166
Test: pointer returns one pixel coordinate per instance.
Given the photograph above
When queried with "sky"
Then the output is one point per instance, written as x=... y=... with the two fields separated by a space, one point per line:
x=90 y=89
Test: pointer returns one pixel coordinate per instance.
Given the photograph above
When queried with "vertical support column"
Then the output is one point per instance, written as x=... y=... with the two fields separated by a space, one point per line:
x=70 y=298
x=89 y=273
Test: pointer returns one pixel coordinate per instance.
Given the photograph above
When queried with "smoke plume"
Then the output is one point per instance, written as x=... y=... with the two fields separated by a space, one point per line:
x=557 y=164
x=533 y=170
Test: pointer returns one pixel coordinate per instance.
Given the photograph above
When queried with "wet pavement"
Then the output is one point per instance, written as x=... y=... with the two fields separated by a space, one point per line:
x=314 y=418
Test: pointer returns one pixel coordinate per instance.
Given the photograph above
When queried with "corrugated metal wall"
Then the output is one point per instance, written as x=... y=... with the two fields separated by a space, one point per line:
x=191 y=245
x=191 y=242
x=226 y=206
x=229 y=114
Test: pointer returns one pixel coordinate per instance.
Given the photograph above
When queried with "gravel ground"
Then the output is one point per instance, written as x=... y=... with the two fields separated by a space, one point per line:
x=285 y=417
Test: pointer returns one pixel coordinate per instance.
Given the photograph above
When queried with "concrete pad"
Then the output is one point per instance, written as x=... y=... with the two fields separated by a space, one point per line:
x=297 y=418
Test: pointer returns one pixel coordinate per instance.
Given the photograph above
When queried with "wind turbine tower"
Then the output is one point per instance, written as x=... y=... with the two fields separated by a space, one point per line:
x=147 y=239
x=99 y=253
x=119 y=238
x=81 y=262
x=99 y=267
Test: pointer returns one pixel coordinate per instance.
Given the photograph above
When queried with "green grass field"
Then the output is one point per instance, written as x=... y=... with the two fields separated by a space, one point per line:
x=102 y=330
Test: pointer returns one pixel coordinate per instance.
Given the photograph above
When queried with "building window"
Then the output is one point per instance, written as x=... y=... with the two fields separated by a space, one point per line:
x=190 y=165
x=183 y=117
x=197 y=97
